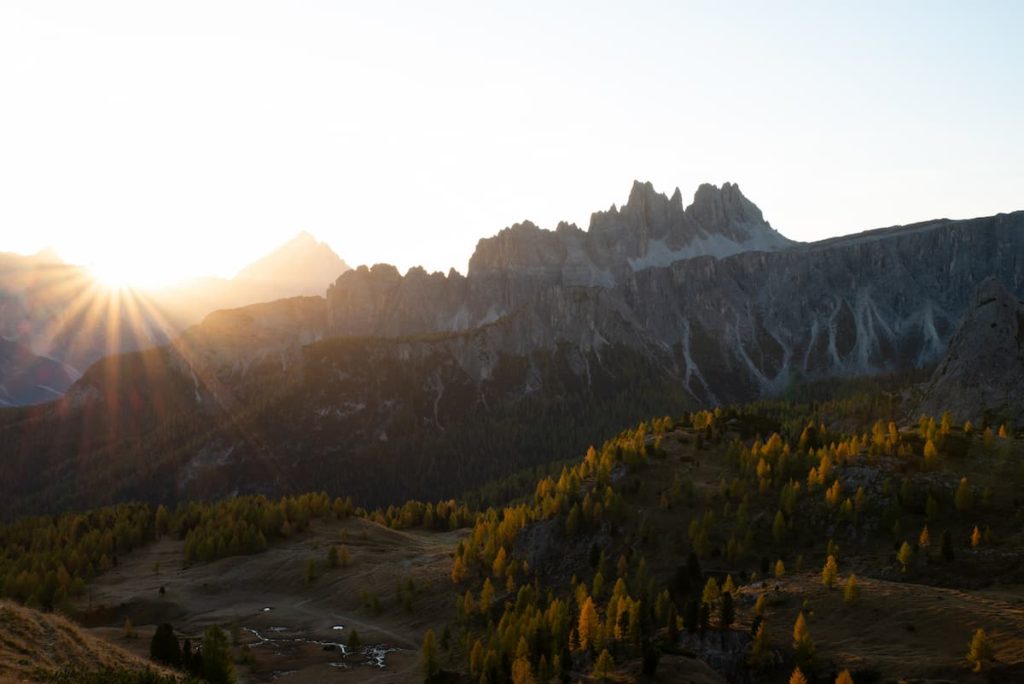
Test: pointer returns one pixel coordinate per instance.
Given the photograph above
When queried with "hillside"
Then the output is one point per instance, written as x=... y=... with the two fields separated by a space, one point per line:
x=399 y=387
x=631 y=551
x=37 y=647
x=58 y=311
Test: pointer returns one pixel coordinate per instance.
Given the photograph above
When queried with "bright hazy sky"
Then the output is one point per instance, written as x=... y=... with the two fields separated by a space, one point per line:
x=189 y=138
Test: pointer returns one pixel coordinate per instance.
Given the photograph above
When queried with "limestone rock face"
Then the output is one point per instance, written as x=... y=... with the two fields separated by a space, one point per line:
x=981 y=376
x=511 y=269
x=734 y=309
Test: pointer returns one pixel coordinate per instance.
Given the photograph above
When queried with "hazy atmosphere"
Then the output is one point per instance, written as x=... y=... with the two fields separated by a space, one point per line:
x=203 y=134
x=753 y=415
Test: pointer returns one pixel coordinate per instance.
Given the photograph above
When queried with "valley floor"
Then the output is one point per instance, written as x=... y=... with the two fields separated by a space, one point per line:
x=287 y=629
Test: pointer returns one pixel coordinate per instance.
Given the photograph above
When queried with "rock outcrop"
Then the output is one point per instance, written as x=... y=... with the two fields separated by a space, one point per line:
x=981 y=377
x=743 y=319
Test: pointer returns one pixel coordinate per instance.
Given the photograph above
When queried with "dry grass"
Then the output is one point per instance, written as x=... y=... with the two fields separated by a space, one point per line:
x=904 y=631
x=235 y=591
x=32 y=642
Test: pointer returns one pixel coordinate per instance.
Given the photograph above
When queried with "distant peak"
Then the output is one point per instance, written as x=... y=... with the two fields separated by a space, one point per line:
x=304 y=237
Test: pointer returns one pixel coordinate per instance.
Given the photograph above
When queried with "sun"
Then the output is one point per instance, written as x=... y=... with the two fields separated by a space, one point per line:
x=132 y=274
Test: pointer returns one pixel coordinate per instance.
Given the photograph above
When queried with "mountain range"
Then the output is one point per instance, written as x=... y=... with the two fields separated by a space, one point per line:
x=55 y=320
x=395 y=386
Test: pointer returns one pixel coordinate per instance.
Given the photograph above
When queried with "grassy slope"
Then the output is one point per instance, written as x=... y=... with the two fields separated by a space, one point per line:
x=34 y=643
x=234 y=591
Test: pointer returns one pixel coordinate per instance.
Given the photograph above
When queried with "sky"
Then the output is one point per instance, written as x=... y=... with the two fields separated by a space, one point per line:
x=162 y=140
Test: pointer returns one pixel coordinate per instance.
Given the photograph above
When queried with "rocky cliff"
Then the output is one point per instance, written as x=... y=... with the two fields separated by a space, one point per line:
x=426 y=384
x=981 y=377
x=740 y=310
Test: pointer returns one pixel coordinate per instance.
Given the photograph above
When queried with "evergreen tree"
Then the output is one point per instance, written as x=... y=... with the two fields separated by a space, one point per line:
x=830 y=572
x=354 y=642
x=332 y=556
x=964 y=497
x=779 y=527
x=844 y=677
x=218 y=667
x=164 y=648
x=946 y=546
x=604 y=666
x=979 y=650
x=691 y=616
x=797 y=677
x=759 y=648
x=905 y=556
x=428 y=656
x=589 y=625
x=802 y=642
x=672 y=624
x=711 y=591
x=726 y=612
x=851 y=592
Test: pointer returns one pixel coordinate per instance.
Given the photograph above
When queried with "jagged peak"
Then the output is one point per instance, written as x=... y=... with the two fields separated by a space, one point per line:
x=718 y=207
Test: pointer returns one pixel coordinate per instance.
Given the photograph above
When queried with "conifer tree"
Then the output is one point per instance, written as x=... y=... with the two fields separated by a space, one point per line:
x=979 y=651
x=428 y=656
x=844 y=677
x=830 y=572
x=946 y=546
x=726 y=611
x=759 y=648
x=802 y=642
x=779 y=527
x=711 y=591
x=604 y=666
x=332 y=556
x=218 y=667
x=905 y=556
x=780 y=569
x=164 y=648
x=964 y=497
x=589 y=625
x=797 y=677
x=851 y=592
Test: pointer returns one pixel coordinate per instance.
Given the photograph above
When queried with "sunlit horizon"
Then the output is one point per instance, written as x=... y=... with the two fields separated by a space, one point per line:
x=159 y=144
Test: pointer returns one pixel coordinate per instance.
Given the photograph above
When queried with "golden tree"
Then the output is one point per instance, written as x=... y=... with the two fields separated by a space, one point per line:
x=589 y=624
x=905 y=556
x=802 y=642
x=830 y=572
x=851 y=592
x=980 y=650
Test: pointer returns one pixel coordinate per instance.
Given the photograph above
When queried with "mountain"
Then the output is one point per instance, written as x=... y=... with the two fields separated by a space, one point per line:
x=512 y=268
x=27 y=378
x=981 y=376
x=423 y=385
x=57 y=310
x=732 y=327
x=301 y=266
